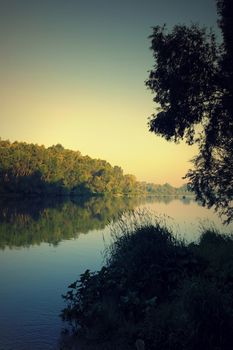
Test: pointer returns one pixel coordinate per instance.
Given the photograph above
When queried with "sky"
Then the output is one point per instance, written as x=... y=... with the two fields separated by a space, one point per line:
x=73 y=72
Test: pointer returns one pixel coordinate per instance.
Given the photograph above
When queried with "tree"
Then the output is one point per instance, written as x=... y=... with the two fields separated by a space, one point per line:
x=192 y=81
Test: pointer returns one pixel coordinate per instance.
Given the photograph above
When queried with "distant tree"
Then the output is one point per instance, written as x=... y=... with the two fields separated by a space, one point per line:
x=31 y=169
x=193 y=80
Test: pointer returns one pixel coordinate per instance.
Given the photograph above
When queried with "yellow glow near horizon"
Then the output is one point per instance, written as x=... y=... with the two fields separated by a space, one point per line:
x=73 y=73
x=95 y=124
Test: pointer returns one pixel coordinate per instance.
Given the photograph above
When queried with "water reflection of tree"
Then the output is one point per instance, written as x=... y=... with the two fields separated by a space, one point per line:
x=31 y=222
x=169 y=199
x=187 y=200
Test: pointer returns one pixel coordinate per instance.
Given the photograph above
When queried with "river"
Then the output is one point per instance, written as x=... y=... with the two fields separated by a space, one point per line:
x=46 y=244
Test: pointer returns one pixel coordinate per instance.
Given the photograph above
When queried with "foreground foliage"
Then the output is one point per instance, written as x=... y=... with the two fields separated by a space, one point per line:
x=156 y=292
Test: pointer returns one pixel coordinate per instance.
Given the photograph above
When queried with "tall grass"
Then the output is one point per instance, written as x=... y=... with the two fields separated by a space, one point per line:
x=156 y=290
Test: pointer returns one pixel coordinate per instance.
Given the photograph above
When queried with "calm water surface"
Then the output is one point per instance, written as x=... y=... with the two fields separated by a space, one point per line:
x=44 y=246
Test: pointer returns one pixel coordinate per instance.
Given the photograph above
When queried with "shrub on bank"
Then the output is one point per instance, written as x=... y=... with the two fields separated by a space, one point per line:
x=157 y=290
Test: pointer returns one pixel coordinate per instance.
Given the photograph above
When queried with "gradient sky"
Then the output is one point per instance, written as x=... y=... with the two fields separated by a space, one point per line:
x=73 y=72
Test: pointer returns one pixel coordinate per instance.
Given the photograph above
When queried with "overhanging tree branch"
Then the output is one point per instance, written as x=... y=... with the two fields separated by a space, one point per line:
x=192 y=81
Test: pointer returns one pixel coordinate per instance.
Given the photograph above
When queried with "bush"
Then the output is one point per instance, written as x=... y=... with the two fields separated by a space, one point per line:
x=156 y=288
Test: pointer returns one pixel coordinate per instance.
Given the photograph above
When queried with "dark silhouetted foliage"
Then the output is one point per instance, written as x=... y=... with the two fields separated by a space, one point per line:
x=192 y=82
x=157 y=291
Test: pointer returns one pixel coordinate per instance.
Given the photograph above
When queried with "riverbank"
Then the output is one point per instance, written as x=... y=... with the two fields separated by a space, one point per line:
x=155 y=291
